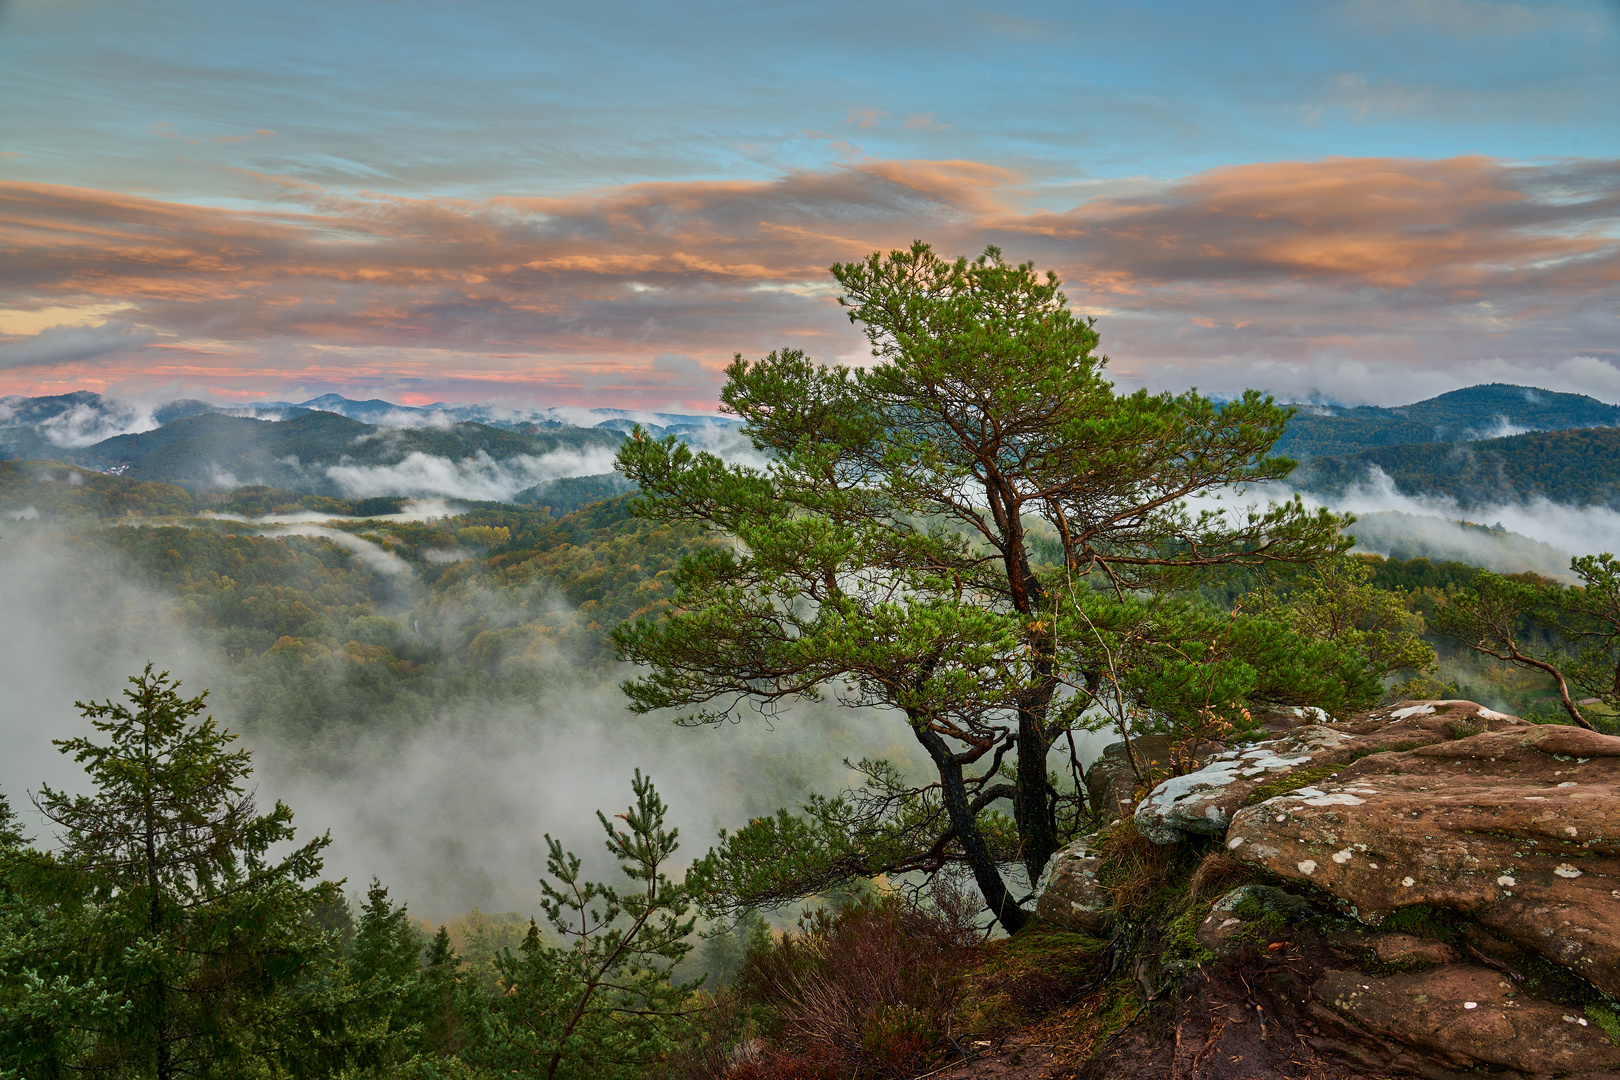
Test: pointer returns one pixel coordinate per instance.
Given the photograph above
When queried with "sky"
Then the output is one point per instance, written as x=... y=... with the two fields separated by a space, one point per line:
x=545 y=204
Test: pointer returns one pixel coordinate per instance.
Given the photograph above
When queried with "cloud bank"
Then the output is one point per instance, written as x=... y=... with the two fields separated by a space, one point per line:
x=479 y=477
x=1357 y=279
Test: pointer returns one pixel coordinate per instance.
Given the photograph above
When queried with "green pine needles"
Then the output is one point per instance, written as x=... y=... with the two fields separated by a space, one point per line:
x=163 y=895
x=162 y=938
x=978 y=536
x=1569 y=633
x=597 y=1007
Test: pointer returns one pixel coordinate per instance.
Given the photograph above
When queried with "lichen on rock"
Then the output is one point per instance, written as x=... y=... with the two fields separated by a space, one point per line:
x=1440 y=881
x=1070 y=896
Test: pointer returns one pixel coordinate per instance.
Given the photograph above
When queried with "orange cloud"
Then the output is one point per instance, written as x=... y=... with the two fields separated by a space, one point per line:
x=1287 y=264
x=1390 y=224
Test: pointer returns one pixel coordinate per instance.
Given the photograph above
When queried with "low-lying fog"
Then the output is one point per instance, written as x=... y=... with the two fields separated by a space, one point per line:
x=451 y=816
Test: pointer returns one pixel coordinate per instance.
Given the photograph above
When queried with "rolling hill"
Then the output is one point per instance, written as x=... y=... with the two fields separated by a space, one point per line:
x=1579 y=467
x=1470 y=414
x=324 y=453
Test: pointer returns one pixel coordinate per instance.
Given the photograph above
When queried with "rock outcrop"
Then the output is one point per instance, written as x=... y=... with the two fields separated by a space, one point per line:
x=1468 y=1016
x=1204 y=801
x=1111 y=781
x=1071 y=897
x=1518 y=829
x=1468 y=846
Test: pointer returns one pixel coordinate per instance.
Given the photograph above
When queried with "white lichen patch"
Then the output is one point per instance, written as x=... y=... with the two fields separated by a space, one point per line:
x=1407 y=883
x=1338 y=798
x=1307 y=867
x=1567 y=871
x=1507 y=881
x=1234 y=842
x=1412 y=710
x=1342 y=857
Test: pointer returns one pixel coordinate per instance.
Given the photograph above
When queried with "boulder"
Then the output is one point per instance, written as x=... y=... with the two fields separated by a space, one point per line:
x=1111 y=782
x=1205 y=801
x=1249 y=913
x=1470 y=1015
x=1517 y=828
x=1071 y=897
x=1283 y=719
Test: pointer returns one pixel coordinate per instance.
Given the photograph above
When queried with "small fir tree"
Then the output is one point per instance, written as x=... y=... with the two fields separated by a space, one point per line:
x=178 y=908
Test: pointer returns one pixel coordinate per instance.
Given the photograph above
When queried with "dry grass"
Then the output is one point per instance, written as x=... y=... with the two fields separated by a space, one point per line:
x=1216 y=873
x=1134 y=867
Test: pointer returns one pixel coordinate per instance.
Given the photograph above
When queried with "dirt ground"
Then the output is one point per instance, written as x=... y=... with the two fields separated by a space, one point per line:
x=1250 y=1017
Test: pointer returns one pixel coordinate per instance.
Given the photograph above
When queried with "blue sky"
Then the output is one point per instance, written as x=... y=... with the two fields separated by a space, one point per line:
x=315 y=120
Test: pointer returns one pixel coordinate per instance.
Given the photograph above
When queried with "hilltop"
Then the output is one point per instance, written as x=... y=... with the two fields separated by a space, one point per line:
x=1579 y=467
x=1473 y=413
x=337 y=447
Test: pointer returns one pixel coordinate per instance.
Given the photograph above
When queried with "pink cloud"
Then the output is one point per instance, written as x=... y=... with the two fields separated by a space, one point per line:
x=1269 y=268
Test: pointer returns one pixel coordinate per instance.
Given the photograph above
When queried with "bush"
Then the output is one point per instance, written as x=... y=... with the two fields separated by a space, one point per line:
x=871 y=987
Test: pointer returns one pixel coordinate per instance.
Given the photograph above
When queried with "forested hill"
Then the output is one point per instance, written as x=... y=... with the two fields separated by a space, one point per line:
x=1473 y=413
x=1579 y=467
x=214 y=451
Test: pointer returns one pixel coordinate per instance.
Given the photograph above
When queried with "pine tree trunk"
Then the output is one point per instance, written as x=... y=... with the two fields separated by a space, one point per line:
x=1033 y=805
x=954 y=791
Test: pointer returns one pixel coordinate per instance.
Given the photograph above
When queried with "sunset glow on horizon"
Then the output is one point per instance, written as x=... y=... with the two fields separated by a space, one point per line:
x=1363 y=203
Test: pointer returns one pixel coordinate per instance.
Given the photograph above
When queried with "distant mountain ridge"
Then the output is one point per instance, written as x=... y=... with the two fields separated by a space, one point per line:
x=325 y=453
x=1491 y=410
x=1578 y=467
x=337 y=447
x=44 y=427
x=36 y=427
x=1484 y=444
x=387 y=414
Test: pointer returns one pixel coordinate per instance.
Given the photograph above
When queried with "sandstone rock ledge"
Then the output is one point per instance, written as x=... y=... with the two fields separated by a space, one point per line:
x=1468 y=1016
x=1517 y=829
x=1441 y=819
x=1204 y=801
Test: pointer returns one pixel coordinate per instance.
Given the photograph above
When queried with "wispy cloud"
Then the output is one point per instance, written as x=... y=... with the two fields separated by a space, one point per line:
x=71 y=344
x=1280 y=273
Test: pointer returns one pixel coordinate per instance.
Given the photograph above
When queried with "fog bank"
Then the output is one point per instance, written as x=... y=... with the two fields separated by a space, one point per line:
x=450 y=814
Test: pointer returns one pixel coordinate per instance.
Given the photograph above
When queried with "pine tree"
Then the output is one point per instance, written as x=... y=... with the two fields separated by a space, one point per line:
x=385 y=969
x=599 y=1007
x=1570 y=634
x=177 y=907
x=438 y=1001
x=976 y=536
x=49 y=989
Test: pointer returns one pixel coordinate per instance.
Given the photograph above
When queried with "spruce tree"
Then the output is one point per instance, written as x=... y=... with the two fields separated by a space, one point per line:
x=179 y=911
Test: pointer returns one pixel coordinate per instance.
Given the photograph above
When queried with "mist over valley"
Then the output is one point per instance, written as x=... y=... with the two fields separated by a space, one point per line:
x=406 y=613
